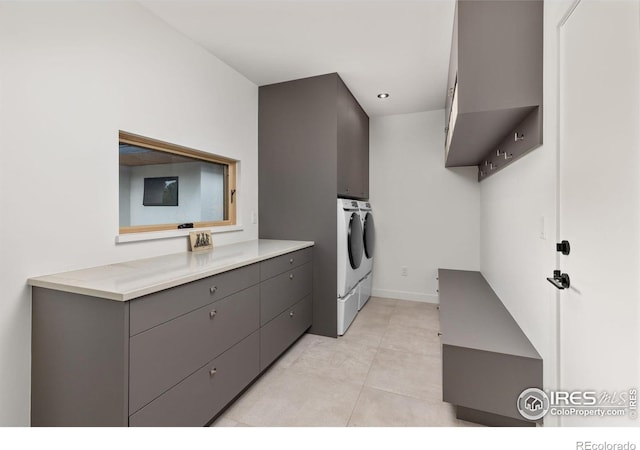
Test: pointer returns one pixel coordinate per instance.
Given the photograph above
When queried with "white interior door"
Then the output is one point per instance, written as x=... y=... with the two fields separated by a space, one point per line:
x=599 y=200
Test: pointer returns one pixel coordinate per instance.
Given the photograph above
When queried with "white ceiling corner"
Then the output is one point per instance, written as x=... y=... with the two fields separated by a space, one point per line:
x=399 y=47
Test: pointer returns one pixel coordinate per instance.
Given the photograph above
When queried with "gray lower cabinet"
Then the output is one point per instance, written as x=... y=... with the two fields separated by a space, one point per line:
x=282 y=291
x=278 y=334
x=487 y=360
x=173 y=358
x=280 y=264
x=188 y=341
x=210 y=388
x=162 y=306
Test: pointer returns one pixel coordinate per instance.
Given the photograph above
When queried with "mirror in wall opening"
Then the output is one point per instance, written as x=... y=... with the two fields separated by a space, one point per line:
x=168 y=185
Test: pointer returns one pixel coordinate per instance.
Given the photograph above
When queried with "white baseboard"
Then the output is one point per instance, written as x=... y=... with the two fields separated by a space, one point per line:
x=404 y=295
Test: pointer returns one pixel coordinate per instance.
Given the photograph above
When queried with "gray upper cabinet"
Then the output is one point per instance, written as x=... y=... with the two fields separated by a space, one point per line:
x=352 y=146
x=494 y=92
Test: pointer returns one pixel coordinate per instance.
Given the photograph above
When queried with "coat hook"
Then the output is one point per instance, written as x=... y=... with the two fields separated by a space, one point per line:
x=518 y=137
x=506 y=156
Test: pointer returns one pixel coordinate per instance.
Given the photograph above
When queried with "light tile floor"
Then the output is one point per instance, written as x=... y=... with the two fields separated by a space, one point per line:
x=385 y=371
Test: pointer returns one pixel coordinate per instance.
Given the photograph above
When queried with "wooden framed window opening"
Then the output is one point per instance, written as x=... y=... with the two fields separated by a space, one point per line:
x=229 y=177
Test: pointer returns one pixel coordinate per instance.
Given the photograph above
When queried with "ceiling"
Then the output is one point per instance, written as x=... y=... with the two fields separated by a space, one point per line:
x=399 y=47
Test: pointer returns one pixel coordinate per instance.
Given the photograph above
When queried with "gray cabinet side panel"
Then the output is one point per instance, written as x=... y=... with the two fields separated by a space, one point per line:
x=79 y=351
x=364 y=152
x=353 y=146
x=500 y=46
x=297 y=158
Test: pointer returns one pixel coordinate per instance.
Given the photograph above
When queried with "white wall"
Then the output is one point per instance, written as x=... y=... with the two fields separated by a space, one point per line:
x=188 y=209
x=426 y=216
x=212 y=189
x=124 y=196
x=515 y=260
x=72 y=75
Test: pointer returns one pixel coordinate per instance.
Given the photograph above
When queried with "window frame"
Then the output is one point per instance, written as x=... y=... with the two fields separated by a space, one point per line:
x=230 y=172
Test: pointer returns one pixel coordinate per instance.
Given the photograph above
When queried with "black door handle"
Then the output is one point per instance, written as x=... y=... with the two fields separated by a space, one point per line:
x=563 y=247
x=560 y=280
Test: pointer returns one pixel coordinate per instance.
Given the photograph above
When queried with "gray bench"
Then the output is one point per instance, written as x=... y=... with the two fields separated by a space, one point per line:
x=487 y=361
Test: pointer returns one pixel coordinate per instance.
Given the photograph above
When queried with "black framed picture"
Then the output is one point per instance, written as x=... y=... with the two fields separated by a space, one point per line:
x=160 y=191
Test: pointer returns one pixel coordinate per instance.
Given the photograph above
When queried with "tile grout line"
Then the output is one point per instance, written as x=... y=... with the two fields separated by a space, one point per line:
x=406 y=353
x=369 y=370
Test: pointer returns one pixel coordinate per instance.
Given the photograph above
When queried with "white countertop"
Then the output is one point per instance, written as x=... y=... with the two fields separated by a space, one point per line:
x=128 y=280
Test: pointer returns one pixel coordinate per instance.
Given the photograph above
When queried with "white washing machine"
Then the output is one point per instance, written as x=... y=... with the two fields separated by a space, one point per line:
x=368 y=240
x=350 y=253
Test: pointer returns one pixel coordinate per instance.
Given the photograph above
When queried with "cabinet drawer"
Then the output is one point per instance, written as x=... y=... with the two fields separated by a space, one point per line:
x=154 y=309
x=280 y=264
x=164 y=355
x=282 y=331
x=282 y=291
x=202 y=395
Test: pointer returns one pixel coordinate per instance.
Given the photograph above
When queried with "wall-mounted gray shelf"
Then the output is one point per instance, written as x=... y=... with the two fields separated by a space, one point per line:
x=494 y=93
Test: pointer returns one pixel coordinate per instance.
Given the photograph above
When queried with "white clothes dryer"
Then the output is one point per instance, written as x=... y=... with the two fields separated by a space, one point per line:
x=368 y=237
x=350 y=246
x=368 y=242
x=350 y=251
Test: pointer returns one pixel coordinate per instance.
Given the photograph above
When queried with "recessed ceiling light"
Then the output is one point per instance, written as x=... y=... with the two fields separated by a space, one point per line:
x=383 y=95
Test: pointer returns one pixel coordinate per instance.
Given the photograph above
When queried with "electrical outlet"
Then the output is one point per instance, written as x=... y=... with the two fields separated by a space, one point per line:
x=543 y=228
x=254 y=217
x=404 y=271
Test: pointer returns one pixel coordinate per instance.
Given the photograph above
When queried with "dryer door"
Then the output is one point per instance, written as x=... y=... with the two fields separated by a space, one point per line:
x=355 y=241
x=369 y=236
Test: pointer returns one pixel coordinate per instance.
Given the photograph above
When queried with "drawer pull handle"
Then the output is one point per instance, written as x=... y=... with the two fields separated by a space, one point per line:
x=213 y=313
x=291 y=261
x=291 y=276
x=213 y=289
x=291 y=314
x=212 y=372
